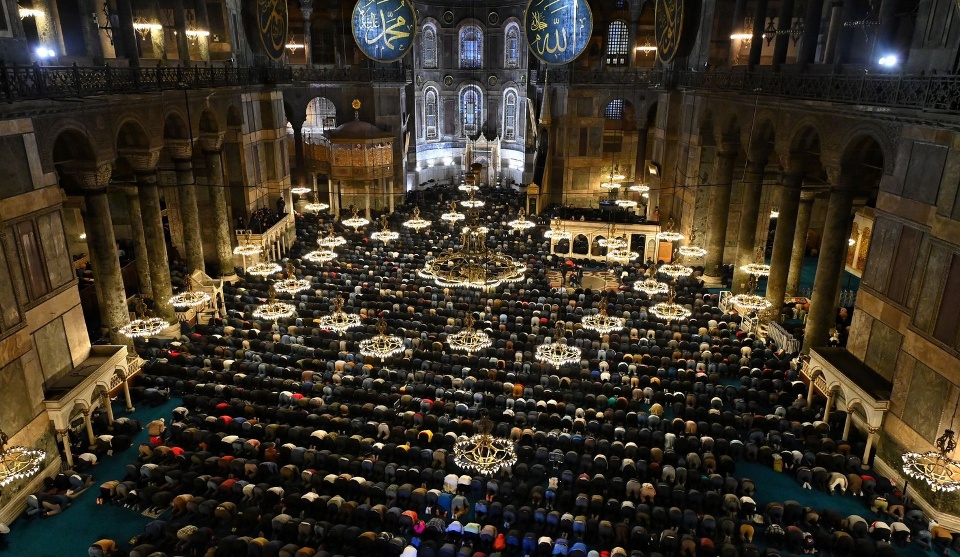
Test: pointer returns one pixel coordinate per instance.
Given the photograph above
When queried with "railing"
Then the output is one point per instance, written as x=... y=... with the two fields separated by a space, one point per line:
x=47 y=82
x=932 y=93
x=628 y=76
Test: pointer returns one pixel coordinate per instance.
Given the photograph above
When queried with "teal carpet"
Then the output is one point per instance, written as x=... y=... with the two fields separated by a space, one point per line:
x=71 y=532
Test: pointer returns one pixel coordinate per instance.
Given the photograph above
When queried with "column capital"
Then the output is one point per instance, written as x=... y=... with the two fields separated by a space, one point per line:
x=180 y=149
x=211 y=142
x=93 y=177
x=142 y=160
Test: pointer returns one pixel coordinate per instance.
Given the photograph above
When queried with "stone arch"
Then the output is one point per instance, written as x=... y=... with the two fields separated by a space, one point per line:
x=619 y=113
x=805 y=150
x=321 y=115
x=862 y=162
x=209 y=123
x=595 y=248
x=761 y=139
x=729 y=128
x=562 y=246
x=581 y=244
x=131 y=134
x=175 y=126
x=71 y=147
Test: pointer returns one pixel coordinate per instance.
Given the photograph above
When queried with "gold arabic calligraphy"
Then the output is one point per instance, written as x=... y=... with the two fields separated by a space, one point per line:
x=669 y=26
x=552 y=31
x=387 y=28
x=273 y=25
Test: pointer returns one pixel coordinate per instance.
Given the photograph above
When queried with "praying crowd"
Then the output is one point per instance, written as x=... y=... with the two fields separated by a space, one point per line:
x=287 y=442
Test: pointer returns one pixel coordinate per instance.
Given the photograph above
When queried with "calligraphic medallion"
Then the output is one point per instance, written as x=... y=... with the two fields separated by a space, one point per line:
x=558 y=30
x=384 y=29
x=272 y=26
x=669 y=27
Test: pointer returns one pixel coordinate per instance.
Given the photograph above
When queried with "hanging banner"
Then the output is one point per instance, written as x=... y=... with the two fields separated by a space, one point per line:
x=558 y=30
x=675 y=28
x=272 y=26
x=384 y=29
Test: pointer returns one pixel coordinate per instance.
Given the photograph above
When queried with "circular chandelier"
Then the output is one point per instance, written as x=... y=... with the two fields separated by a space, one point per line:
x=385 y=234
x=143 y=326
x=756 y=269
x=300 y=190
x=558 y=353
x=453 y=215
x=247 y=247
x=472 y=203
x=291 y=285
x=557 y=232
x=356 y=221
x=651 y=286
x=622 y=255
x=469 y=340
x=668 y=235
x=642 y=188
x=750 y=302
x=483 y=453
x=692 y=251
x=936 y=468
x=465 y=187
x=416 y=222
x=474 y=265
x=331 y=240
x=480 y=229
x=675 y=270
x=615 y=241
x=189 y=298
x=264 y=269
x=273 y=310
x=16 y=462
x=338 y=320
x=610 y=185
x=381 y=345
x=626 y=203
x=600 y=321
x=520 y=223
x=669 y=311
x=321 y=256
x=316 y=207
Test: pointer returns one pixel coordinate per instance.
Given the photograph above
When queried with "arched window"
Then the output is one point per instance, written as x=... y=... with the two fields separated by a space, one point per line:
x=512 y=47
x=429 y=45
x=510 y=115
x=471 y=47
x=614 y=110
x=618 y=44
x=471 y=109
x=321 y=115
x=430 y=114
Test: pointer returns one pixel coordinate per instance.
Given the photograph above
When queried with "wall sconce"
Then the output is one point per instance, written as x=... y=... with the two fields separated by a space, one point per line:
x=293 y=46
x=647 y=49
x=144 y=28
x=195 y=34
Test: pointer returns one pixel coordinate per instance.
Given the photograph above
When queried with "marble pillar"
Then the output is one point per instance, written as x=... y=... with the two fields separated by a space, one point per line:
x=141 y=257
x=306 y=8
x=799 y=249
x=788 y=203
x=759 y=22
x=833 y=247
x=180 y=25
x=719 y=215
x=211 y=145
x=102 y=243
x=784 y=22
x=747 y=233
x=181 y=152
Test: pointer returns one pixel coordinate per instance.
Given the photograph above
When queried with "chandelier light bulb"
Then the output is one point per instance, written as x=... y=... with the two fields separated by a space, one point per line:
x=338 y=320
x=416 y=222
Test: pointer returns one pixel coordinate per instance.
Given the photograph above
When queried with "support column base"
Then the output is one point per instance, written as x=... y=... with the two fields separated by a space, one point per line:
x=130 y=410
x=712 y=282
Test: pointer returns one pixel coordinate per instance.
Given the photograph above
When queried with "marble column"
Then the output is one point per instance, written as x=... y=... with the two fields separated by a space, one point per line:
x=102 y=244
x=183 y=42
x=335 y=198
x=203 y=24
x=366 y=200
x=306 y=8
x=211 y=145
x=300 y=178
x=64 y=435
x=841 y=54
x=759 y=23
x=105 y=402
x=799 y=249
x=833 y=31
x=788 y=204
x=144 y=164
x=390 y=194
x=811 y=33
x=88 y=425
x=126 y=396
x=871 y=434
x=141 y=257
x=48 y=25
x=91 y=29
x=719 y=215
x=128 y=35
x=828 y=407
x=747 y=233
x=784 y=23
x=832 y=251
x=181 y=151
x=846 y=425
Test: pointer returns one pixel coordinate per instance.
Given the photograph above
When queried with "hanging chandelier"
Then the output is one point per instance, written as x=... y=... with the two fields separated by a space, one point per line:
x=622 y=255
x=473 y=202
x=316 y=207
x=474 y=265
x=520 y=223
x=469 y=340
x=642 y=188
x=143 y=326
x=626 y=203
x=464 y=187
x=675 y=270
x=668 y=235
x=936 y=468
x=356 y=221
x=385 y=234
x=615 y=241
x=300 y=190
x=453 y=215
x=692 y=251
x=416 y=222
x=321 y=256
x=291 y=285
x=558 y=353
x=16 y=462
x=483 y=453
x=670 y=311
x=247 y=247
x=758 y=268
x=749 y=301
x=557 y=232
x=189 y=298
x=381 y=345
x=610 y=185
x=331 y=240
x=273 y=310
x=264 y=269
x=480 y=229
x=338 y=320
x=651 y=286
x=600 y=321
